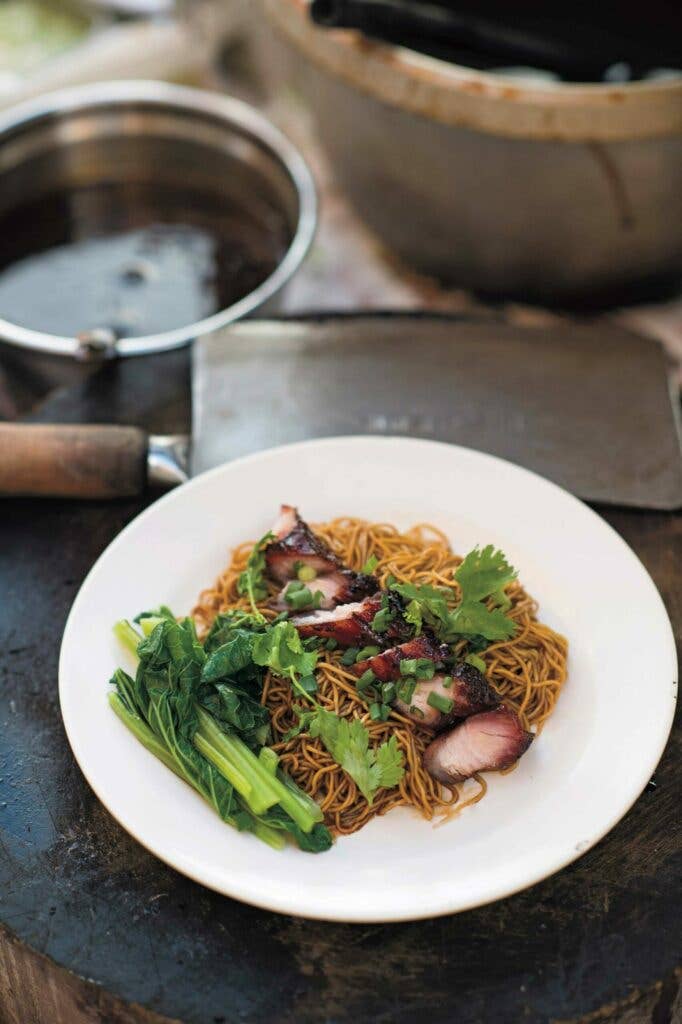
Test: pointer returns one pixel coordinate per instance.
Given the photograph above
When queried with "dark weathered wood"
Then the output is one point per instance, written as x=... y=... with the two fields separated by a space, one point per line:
x=601 y=937
x=34 y=988
x=57 y=461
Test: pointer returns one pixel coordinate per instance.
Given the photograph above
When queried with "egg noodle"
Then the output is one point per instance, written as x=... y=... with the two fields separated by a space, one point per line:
x=527 y=671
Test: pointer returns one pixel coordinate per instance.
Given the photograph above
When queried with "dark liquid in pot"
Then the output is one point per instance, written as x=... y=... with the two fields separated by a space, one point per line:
x=134 y=259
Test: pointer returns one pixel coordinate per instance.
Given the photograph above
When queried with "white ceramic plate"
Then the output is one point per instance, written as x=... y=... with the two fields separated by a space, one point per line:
x=591 y=762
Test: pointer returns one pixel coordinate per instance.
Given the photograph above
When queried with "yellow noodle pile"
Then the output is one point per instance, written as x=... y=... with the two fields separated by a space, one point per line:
x=528 y=672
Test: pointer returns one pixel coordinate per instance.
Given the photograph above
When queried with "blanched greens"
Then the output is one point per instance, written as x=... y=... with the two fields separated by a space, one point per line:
x=196 y=707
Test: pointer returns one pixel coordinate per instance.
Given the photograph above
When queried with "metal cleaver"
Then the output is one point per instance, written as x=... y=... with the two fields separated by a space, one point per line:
x=589 y=406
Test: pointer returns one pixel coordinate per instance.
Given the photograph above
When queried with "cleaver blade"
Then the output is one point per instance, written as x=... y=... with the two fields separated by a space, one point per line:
x=590 y=406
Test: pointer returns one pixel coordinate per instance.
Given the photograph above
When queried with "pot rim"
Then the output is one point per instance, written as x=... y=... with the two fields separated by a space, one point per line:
x=482 y=101
x=230 y=111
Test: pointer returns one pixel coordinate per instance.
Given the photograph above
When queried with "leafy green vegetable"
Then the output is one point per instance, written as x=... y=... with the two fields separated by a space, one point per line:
x=317 y=840
x=230 y=658
x=226 y=624
x=370 y=565
x=269 y=758
x=234 y=708
x=162 y=612
x=482 y=576
x=280 y=648
x=252 y=581
x=198 y=711
x=348 y=743
x=440 y=703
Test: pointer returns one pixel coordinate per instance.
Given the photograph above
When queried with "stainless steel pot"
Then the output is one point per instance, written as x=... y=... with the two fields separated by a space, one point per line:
x=121 y=132
x=546 y=191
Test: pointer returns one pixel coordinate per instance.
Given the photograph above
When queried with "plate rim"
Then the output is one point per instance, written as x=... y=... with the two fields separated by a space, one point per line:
x=302 y=908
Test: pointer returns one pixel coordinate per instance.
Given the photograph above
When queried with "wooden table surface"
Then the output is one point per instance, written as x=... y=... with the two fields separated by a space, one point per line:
x=598 y=941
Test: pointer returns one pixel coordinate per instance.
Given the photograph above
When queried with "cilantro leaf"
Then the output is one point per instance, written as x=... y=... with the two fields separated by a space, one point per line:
x=389 y=762
x=482 y=573
x=474 y=619
x=413 y=615
x=384 y=617
x=251 y=582
x=426 y=605
x=348 y=743
x=370 y=565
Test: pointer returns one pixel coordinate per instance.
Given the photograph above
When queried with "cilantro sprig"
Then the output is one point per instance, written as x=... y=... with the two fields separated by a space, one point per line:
x=251 y=582
x=370 y=565
x=348 y=743
x=482 y=577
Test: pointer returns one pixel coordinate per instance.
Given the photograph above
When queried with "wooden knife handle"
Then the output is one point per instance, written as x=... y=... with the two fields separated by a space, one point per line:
x=87 y=461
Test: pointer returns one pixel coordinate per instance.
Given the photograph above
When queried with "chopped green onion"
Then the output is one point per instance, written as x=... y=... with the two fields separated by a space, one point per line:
x=379 y=712
x=306 y=573
x=473 y=659
x=440 y=703
x=349 y=656
x=446 y=682
x=388 y=692
x=365 y=680
x=405 y=690
x=370 y=565
x=367 y=652
x=422 y=668
x=298 y=596
x=331 y=644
